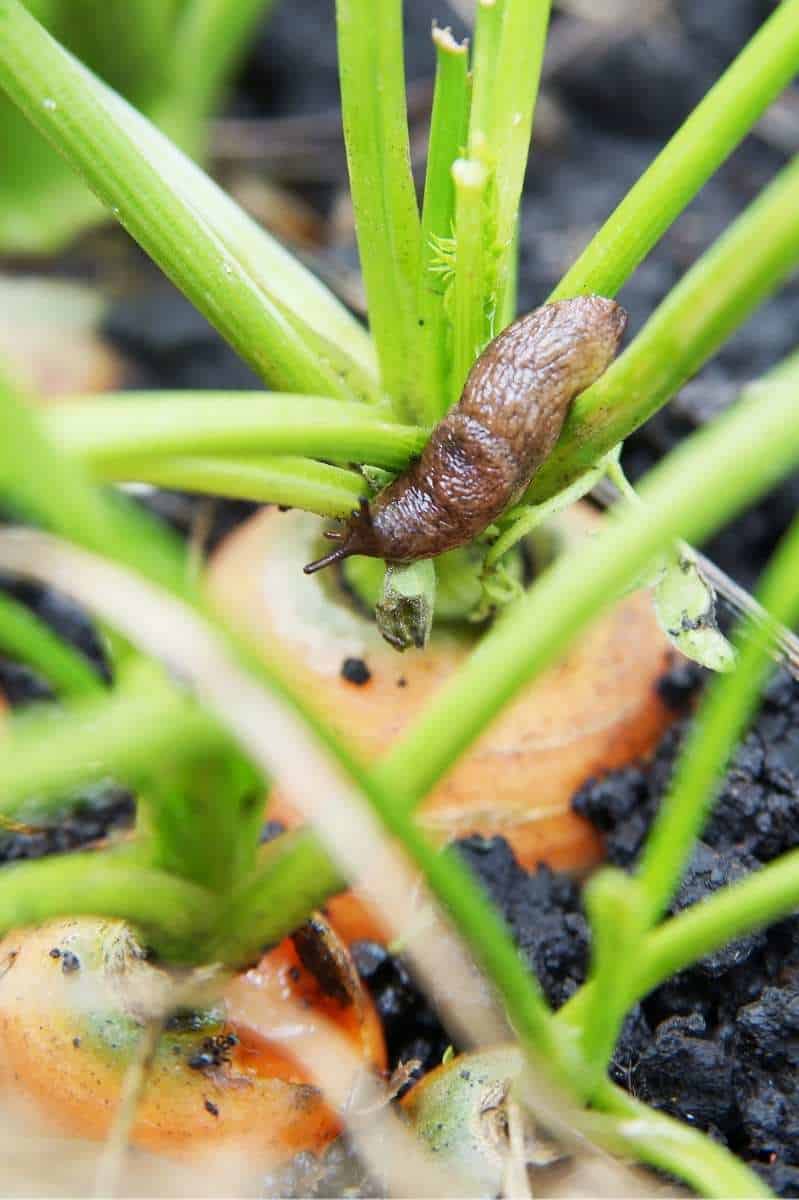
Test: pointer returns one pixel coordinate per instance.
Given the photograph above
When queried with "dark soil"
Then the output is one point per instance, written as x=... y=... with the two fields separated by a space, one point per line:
x=413 y=1032
x=88 y=816
x=718 y=1045
x=97 y=809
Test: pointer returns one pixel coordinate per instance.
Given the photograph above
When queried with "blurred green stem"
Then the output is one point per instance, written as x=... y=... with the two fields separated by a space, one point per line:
x=371 y=74
x=139 y=425
x=23 y=636
x=447 y=136
x=169 y=910
x=46 y=758
x=294 y=482
x=209 y=39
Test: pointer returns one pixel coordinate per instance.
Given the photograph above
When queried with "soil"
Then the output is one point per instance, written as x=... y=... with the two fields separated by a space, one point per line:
x=719 y=1045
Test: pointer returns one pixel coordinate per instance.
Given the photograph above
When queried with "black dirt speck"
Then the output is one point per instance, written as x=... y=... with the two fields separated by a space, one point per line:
x=355 y=670
x=214 y=1052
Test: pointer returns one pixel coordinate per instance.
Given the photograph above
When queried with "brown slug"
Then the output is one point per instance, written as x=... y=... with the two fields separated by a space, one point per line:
x=481 y=457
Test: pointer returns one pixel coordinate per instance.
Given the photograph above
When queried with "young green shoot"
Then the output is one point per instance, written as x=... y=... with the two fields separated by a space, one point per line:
x=448 y=127
x=387 y=218
x=471 y=320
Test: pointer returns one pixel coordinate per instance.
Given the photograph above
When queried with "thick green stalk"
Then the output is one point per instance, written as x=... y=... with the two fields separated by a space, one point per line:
x=321 y=321
x=487 y=32
x=138 y=425
x=715 y=732
x=169 y=910
x=689 y=495
x=81 y=118
x=374 y=111
x=515 y=86
x=295 y=482
x=747 y=264
x=613 y=907
x=448 y=124
x=729 y=110
x=25 y=637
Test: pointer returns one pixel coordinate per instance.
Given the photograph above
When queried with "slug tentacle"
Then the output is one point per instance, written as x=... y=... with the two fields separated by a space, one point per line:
x=357 y=538
x=481 y=457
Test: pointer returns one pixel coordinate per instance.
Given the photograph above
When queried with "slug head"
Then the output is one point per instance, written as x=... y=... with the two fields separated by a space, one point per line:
x=358 y=537
x=605 y=324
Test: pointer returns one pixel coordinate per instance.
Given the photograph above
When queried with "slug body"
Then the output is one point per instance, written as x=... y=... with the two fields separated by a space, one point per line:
x=481 y=457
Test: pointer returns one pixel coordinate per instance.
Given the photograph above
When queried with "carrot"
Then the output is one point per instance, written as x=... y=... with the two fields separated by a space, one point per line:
x=595 y=710
x=75 y=994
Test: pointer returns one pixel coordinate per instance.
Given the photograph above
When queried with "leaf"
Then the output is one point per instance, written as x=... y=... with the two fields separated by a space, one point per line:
x=685 y=604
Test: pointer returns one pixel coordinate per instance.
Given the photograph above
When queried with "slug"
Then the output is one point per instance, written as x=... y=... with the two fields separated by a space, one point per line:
x=481 y=457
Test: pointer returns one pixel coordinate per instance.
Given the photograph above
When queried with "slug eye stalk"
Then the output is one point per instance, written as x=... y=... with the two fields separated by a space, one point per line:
x=357 y=538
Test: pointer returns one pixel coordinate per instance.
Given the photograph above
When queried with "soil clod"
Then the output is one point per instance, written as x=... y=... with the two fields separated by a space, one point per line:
x=355 y=670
